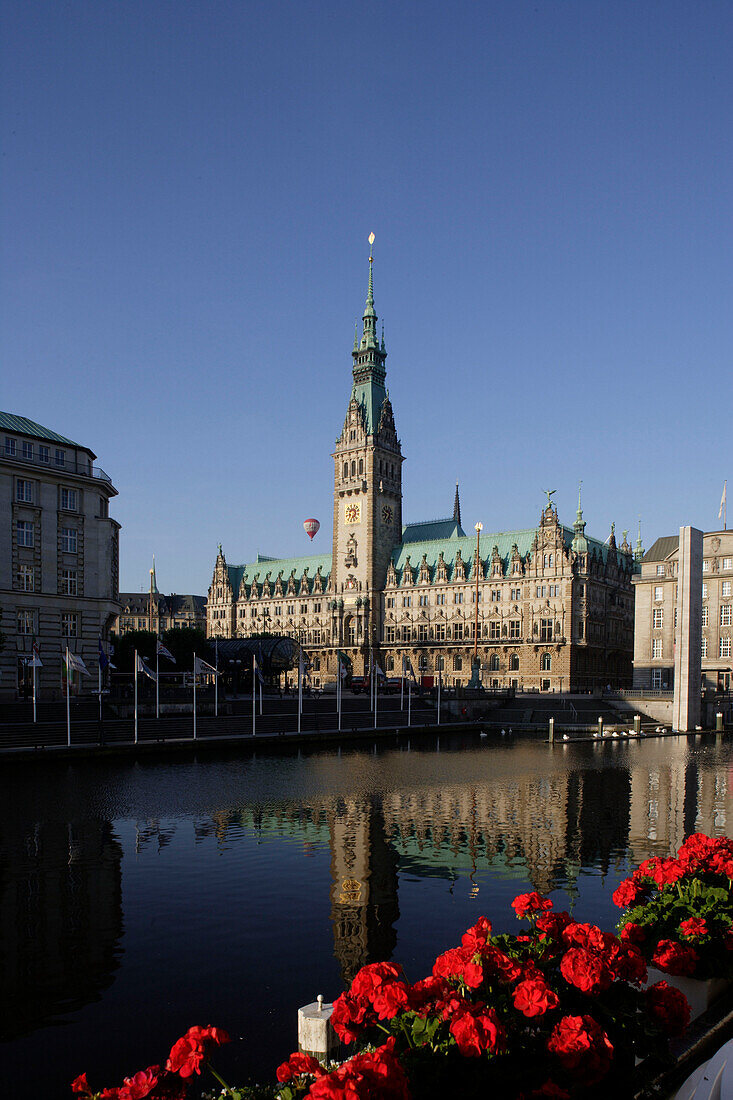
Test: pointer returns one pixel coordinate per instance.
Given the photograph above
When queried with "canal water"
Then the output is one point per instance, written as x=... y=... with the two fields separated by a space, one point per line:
x=137 y=898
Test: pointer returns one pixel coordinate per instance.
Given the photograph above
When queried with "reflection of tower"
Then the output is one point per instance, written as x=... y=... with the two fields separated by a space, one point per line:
x=60 y=921
x=364 y=891
x=601 y=827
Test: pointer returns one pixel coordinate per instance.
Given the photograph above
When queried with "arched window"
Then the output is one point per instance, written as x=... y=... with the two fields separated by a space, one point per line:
x=514 y=662
x=353 y=468
x=346 y=469
x=361 y=465
x=350 y=630
x=494 y=662
x=546 y=663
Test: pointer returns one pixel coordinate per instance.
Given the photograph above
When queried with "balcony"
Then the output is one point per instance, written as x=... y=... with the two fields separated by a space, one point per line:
x=79 y=467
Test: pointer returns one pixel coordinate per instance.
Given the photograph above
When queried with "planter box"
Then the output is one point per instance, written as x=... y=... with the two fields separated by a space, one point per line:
x=700 y=993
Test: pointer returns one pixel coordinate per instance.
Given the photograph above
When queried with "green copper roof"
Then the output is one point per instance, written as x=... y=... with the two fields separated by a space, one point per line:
x=432 y=529
x=258 y=570
x=11 y=423
x=371 y=396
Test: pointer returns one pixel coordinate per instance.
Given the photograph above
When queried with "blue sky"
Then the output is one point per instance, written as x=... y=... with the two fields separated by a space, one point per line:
x=186 y=193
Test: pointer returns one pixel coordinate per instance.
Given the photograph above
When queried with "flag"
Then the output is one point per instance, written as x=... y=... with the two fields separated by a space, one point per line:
x=103 y=658
x=344 y=663
x=35 y=661
x=163 y=652
x=378 y=672
x=75 y=664
x=256 y=669
x=723 y=500
x=304 y=664
x=407 y=667
x=200 y=667
x=141 y=666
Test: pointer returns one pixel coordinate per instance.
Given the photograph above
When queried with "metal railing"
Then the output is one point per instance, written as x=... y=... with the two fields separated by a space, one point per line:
x=81 y=467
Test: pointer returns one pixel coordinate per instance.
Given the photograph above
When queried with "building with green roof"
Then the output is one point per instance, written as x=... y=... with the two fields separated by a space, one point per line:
x=547 y=607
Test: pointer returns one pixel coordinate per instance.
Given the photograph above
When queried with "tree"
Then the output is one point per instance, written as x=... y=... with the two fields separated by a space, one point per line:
x=141 y=640
x=183 y=642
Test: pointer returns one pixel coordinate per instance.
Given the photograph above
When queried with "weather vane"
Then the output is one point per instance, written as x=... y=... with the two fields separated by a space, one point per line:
x=371 y=246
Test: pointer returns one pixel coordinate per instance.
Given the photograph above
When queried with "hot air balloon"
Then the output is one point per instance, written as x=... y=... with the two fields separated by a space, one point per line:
x=312 y=527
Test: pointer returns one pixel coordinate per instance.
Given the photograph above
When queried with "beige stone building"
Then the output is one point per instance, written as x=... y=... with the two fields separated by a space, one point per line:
x=656 y=613
x=157 y=613
x=552 y=607
x=59 y=555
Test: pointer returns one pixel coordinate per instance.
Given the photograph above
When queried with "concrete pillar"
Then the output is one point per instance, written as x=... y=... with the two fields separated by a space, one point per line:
x=600 y=727
x=315 y=1033
x=637 y=723
x=687 y=655
x=552 y=729
x=719 y=722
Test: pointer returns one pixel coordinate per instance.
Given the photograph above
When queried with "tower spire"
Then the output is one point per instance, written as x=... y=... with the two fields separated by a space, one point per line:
x=457 y=508
x=370 y=292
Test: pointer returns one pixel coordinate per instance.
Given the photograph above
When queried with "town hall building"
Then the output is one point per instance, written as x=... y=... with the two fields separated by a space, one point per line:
x=555 y=606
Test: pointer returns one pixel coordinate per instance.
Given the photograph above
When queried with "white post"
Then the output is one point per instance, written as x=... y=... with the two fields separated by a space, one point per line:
x=157 y=680
x=402 y=686
x=260 y=694
x=300 y=687
x=376 y=695
x=136 y=697
x=99 y=691
x=194 y=696
x=338 y=689
x=440 y=683
x=409 y=701
x=254 y=693
x=216 y=678
x=34 y=687
x=68 y=705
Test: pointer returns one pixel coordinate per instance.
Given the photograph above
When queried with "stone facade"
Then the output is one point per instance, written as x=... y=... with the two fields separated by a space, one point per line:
x=655 y=628
x=59 y=555
x=157 y=613
x=555 y=607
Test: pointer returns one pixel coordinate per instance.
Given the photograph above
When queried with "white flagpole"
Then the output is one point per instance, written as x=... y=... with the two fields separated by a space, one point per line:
x=376 y=693
x=440 y=684
x=216 y=679
x=254 y=694
x=300 y=687
x=136 y=697
x=338 y=688
x=34 y=686
x=260 y=694
x=194 y=696
x=68 y=705
x=409 y=701
x=157 y=681
x=99 y=690
x=402 y=686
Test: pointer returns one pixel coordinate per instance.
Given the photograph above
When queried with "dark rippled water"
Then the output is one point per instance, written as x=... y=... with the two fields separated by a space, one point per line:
x=138 y=898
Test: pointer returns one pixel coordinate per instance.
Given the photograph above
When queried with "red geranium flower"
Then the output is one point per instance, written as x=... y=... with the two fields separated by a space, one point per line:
x=582 y=1047
x=474 y=938
x=675 y=958
x=669 y=1007
x=584 y=935
x=475 y=1030
x=552 y=924
x=297 y=1065
x=349 y=1017
x=632 y=933
x=80 y=1085
x=694 y=928
x=192 y=1049
x=627 y=893
x=533 y=997
x=526 y=904
x=370 y=1076
x=585 y=970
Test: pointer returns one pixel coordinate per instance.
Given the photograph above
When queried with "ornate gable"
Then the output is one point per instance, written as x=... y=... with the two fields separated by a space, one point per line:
x=497 y=565
x=291 y=583
x=279 y=584
x=407 y=576
x=459 y=570
x=267 y=587
x=424 y=570
x=318 y=582
x=303 y=589
x=441 y=569
x=391 y=575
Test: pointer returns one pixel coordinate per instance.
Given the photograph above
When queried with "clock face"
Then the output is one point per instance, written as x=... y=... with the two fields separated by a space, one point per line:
x=386 y=514
x=352 y=513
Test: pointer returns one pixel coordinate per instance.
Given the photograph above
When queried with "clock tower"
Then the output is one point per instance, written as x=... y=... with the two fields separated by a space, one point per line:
x=367 y=496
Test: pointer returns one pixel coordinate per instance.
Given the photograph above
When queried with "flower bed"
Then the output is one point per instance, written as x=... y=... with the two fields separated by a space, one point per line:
x=558 y=1010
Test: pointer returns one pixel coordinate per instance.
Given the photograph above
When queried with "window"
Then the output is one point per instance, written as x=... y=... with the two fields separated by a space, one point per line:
x=440 y=664
x=26 y=450
x=658 y=592
x=389 y=635
x=494 y=662
x=422 y=632
x=60 y=457
x=725 y=588
x=494 y=630
x=546 y=662
x=660 y=570
x=706 y=566
x=24 y=490
x=68 y=582
x=516 y=594
x=545 y=630
x=514 y=628
x=407 y=601
x=705 y=616
x=68 y=540
x=725 y=615
x=317 y=607
x=547 y=560
x=457 y=664
x=68 y=500
x=43 y=455
x=389 y=664
x=9 y=447
x=657 y=678
x=704 y=652
x=423 y=601
x=656 y=649
x=704 y=590
x=458 y=631
x=581 y=630
x=724 y=649
x=457 y=597
x=422 y=662
x=440 y=598
x=69 y=624
x=27 y=622
x=389 y=602
x=541 y=591
x=24 y=531
x=26 y=578
x=657 y=618
x=290 y=609
x=440 y=632
x=727 y=563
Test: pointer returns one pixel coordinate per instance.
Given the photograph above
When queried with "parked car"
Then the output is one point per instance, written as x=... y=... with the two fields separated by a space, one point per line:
x=359 y=684
x=393 y=685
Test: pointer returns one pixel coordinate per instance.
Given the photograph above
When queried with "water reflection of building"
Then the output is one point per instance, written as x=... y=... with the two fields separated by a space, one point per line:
x=60 y=921
x=364 y=888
